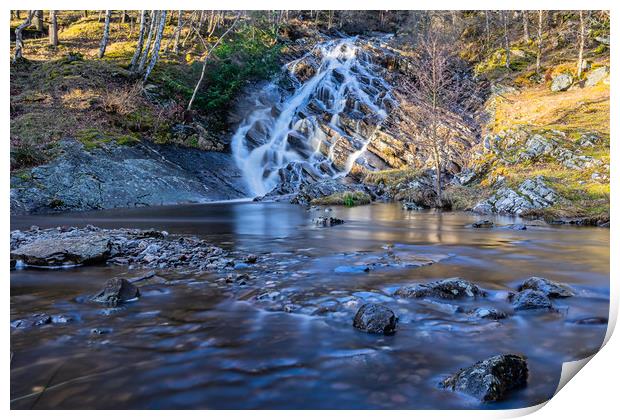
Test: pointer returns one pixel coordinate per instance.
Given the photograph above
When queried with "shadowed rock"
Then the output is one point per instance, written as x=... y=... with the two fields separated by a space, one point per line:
x=531 y=299
x=549 y=288
x=491 y=379
x=452 y=288
x=116 y=291
x=376 y=319
x=489 y=313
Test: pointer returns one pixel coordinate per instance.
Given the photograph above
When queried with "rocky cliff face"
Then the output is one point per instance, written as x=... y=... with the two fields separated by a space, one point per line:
x=120 y=176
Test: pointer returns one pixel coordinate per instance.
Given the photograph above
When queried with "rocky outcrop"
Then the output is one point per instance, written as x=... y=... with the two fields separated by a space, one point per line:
x=452 y=288
x=491 y=379
x=531 y=194
x=58 y=247
x=124 y=176
x=375 y=319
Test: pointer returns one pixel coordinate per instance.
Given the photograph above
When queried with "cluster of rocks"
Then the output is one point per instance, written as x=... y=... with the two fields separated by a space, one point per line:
x=564 y=81
x=69 y=246
x=531 y=194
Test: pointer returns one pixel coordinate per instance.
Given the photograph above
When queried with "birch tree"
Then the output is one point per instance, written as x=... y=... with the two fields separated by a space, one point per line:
x=539 y=39
x=526 y=29
x=53 y=35
x=177 y=34
x=106 y=34
x=506 y=42
x=38 y=20
x=147 y=48
x=19 y=42
x=136 y=54
x=157 y=46
x=582 y=42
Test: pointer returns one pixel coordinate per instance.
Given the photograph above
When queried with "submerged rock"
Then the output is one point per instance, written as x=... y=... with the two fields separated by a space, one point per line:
x=56 y=252
x=491 y=379
x=35 y=320
x=327 y=221
x=483 y=224
x=411 y=206
x=452 y=288
x=376 y=319
x=489 y=313
x=116 y=291
x=549 y=288
x=531 y=299
x=596 y=320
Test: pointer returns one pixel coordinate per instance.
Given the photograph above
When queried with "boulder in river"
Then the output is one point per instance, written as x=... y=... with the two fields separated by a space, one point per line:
x=489 y=313
x=327 y=221
x=376 y=319
x=490 y=379
x=531 y=299
x=35 y=320
x=483 y=224
x=550 y=288
x=64 y=251
x=452 y=288
x=116 y=291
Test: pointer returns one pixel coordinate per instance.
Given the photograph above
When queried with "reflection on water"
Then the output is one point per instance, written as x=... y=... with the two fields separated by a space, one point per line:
x=188 y=344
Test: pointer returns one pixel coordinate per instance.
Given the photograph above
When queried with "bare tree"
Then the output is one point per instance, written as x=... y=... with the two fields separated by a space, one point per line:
x=487 y=27
x=437 y=103
x=205 y=61
x=582 y=42
x=136 y=54
x=539 y=39
x=157 y=46
x=19 y=42
x=526 y=29
x=53 y=28
x=506 y=42
x=106 y=34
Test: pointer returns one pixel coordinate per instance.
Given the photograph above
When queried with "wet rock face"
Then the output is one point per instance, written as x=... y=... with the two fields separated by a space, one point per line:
x=491 y=379
x=375 y=319
x=550 y=288
x=530 y=300
x=453 y=288
x=327 y=221
x=54 y=252
x=115 y=292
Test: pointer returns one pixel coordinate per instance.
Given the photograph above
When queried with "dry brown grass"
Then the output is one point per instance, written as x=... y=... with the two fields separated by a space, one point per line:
x=122 y=101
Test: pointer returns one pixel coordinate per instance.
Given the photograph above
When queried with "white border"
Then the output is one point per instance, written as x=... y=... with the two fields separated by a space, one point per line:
x=594 y=394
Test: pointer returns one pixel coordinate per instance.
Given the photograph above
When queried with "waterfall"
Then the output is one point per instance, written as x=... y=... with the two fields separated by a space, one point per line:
x=320 y=127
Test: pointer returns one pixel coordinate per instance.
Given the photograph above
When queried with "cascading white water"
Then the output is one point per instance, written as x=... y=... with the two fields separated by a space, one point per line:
x=322 y=128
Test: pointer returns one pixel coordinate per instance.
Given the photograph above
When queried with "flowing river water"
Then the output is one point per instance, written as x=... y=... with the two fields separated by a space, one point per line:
x=189 y=342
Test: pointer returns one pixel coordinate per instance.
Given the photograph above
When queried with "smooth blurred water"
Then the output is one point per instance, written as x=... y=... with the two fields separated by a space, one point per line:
x=188 y=344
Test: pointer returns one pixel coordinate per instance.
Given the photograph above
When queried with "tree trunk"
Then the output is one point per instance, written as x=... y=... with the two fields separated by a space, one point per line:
x=53 y=28
x=526 y=29
x=38 y=20
x=136 y=54
x=149 y=39
x=157 y=46
x=106 y=34
x=487 y=27
x=177 y=36
x=19 y=42
x=506 y=42
x=582 y=42
x=539 y=41
x=204 y=64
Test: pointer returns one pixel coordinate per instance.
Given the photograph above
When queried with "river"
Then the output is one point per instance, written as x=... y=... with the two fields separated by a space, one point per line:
x=187 y=343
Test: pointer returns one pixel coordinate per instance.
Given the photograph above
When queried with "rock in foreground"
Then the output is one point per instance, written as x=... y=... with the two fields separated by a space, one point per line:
x=376 y=319
x=90 y=248
x=452 y=288
x=491 y=379
x=531 y=299
x=550 y=288
x=117 y=291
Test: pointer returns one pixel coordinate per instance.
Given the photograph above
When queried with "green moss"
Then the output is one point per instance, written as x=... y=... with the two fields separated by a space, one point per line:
x=347 y=198
x=391 y=177
x=93 y=139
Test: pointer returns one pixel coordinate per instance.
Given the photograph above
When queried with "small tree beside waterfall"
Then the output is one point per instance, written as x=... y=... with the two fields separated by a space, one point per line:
x=438 y=105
